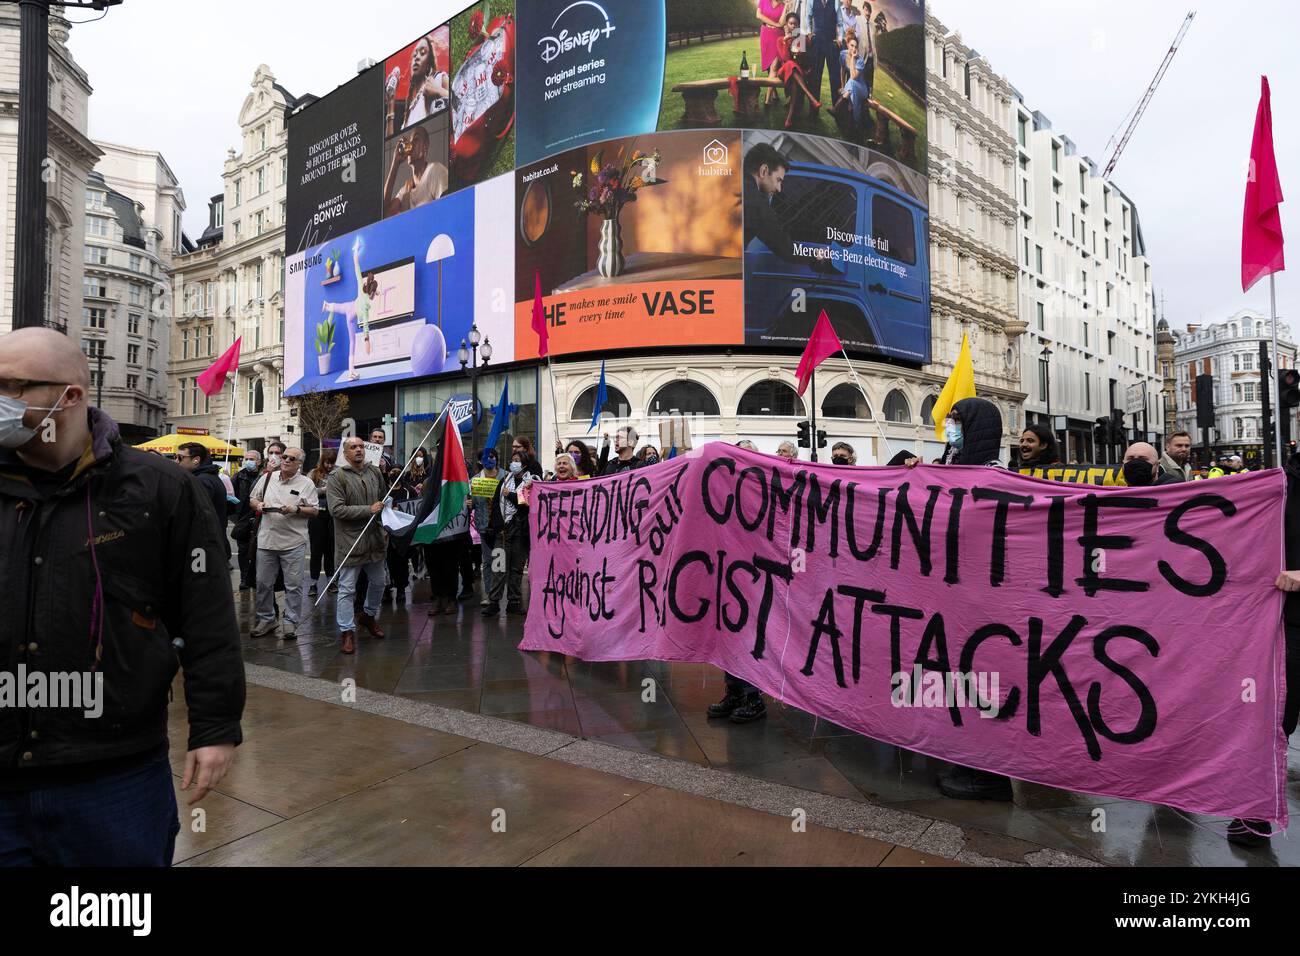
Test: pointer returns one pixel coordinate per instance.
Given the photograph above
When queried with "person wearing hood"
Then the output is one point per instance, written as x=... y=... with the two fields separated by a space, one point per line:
x=101 y=571
x=1178 y=449
x=1142 y=467
x=974 y=432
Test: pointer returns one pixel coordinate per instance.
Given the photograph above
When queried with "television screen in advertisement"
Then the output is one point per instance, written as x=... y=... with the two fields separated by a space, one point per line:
x=637 y=243
x=588 y=71
x=483 y=42
x=850 y=70
x=835 y=227
x=335 y=149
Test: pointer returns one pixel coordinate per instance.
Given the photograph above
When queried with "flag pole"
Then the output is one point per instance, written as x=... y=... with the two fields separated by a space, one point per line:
x=387 y=495
x=870 y=407
x=1280 y=410
x=555 y=407
x=230 y=427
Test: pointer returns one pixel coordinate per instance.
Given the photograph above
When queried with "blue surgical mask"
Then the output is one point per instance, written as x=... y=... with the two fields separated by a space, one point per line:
x=250 y=464
x=952 y=433
x=13 y=433
x=515 y=467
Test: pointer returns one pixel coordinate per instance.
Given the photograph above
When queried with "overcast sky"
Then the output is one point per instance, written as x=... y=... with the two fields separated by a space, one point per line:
x=166 y=83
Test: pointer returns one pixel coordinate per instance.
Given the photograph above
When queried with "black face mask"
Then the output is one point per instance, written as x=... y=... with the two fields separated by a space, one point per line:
x=1139 y=471
x=839 y=460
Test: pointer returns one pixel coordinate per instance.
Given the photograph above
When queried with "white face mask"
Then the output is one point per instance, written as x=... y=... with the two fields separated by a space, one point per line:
x=514 y=467
x=419 y=461
x=13 y=433
x=273 y=462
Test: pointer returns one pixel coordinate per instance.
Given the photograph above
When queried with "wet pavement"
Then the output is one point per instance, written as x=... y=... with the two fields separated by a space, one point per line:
x=471 y=664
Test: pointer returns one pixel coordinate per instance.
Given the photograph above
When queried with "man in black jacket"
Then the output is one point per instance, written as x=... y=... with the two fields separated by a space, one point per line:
x=194 y=458
x=113 y=568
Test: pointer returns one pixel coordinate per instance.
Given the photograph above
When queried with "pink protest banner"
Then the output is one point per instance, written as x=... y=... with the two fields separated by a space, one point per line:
x=1117 y=641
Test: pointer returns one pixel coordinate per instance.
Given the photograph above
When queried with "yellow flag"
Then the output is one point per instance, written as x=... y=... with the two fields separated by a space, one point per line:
x=960 y=384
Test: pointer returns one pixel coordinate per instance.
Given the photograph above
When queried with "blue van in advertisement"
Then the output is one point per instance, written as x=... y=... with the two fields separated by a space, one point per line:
x=863 y=256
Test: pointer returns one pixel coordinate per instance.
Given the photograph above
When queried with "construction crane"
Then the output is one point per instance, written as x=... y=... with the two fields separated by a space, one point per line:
x=1137 y=111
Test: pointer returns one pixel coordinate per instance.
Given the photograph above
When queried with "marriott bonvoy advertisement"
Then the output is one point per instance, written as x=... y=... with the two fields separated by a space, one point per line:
x=671 y=172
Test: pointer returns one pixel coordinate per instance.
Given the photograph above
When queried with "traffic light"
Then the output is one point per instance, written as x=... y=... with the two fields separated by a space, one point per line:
x=1117 y=434
x=805 y=439
x=821 y=438
x=1288 y=388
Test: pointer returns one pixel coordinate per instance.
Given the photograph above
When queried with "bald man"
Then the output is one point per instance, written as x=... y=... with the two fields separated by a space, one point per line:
x=113 y=567
x=1142 y=466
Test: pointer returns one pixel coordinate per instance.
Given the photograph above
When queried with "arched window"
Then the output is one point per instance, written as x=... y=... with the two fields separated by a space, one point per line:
x=686 y=397
x=896 y=408
x=616 y=404
x=927 y=407
x=770 y=398
x=845 y=401
x=256 y=398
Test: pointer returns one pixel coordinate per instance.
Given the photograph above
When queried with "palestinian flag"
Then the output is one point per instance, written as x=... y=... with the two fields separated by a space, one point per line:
x=445 y=491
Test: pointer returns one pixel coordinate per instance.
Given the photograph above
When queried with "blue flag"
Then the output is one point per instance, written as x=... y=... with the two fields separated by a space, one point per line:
x=602 y=396
x=501 y=416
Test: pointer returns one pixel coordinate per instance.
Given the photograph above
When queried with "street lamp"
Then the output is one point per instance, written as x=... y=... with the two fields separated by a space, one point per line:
x=1046 y=355
x=469 y=362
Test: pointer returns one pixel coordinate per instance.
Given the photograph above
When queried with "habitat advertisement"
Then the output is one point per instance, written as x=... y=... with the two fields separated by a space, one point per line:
x=635 y=242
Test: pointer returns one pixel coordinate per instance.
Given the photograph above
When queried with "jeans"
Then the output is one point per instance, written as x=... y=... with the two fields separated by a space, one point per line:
x=289 y=563
x=123 y=819
x=344 y=613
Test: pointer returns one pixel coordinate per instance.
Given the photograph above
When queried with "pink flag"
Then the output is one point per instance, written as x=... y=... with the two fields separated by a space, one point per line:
x=214 y=379
x=1261 y=227
x=822 y=344
x=539 y=318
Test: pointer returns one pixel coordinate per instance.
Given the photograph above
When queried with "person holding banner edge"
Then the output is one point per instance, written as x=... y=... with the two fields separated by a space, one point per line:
x=974 y=432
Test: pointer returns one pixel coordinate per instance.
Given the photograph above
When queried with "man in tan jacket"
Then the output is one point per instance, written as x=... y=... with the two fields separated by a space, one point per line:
x=355 y=493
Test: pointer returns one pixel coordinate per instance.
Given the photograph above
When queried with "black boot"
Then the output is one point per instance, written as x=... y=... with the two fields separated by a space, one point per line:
x=965 y=783
x=726 y=706
x=751 y=708
x=1240 y=833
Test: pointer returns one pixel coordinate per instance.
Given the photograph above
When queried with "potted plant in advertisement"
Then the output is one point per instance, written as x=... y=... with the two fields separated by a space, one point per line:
x=332 y=267
x=605 y=188
x=325 y=343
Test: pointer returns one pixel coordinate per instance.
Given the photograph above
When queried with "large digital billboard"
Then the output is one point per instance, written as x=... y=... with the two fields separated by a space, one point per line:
x=335 y=150
x=671 y=173
x=590 y=72
x=395 y=299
